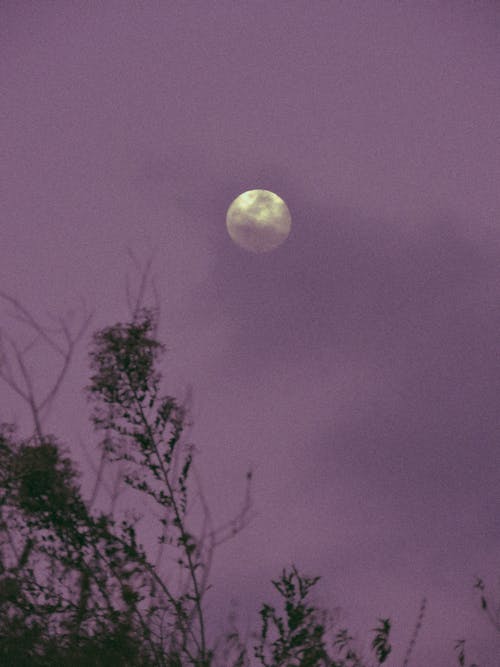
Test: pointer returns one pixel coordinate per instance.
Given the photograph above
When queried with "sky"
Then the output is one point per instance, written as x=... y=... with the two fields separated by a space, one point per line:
x=354 y=369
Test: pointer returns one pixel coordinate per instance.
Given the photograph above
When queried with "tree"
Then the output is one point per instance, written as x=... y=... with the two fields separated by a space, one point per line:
x=53 y=545
x=113 y=573
x=76 y=586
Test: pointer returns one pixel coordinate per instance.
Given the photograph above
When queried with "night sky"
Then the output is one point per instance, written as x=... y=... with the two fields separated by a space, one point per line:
x=355 y=369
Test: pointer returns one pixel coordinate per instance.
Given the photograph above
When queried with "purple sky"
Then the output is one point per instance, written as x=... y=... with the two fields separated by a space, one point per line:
x=356 y=367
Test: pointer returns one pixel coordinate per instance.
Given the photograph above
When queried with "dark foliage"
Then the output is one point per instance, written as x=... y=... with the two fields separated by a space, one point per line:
x=76 y=587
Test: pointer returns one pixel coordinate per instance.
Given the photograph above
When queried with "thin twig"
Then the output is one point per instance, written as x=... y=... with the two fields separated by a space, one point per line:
x=415 y=632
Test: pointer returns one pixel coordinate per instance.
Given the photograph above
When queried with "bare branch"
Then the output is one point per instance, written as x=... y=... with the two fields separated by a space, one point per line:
x=8 y=377
x=416 y=630
x=134 y=308
x=23 y=315
x=65 y=351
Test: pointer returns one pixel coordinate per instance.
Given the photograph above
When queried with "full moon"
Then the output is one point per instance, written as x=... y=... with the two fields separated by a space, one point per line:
x=258 y=221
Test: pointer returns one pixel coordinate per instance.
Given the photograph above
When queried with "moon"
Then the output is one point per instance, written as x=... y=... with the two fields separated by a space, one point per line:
x=258 y=221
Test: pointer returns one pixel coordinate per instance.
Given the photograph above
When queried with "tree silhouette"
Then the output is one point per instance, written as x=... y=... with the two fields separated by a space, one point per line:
x=76 y=587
